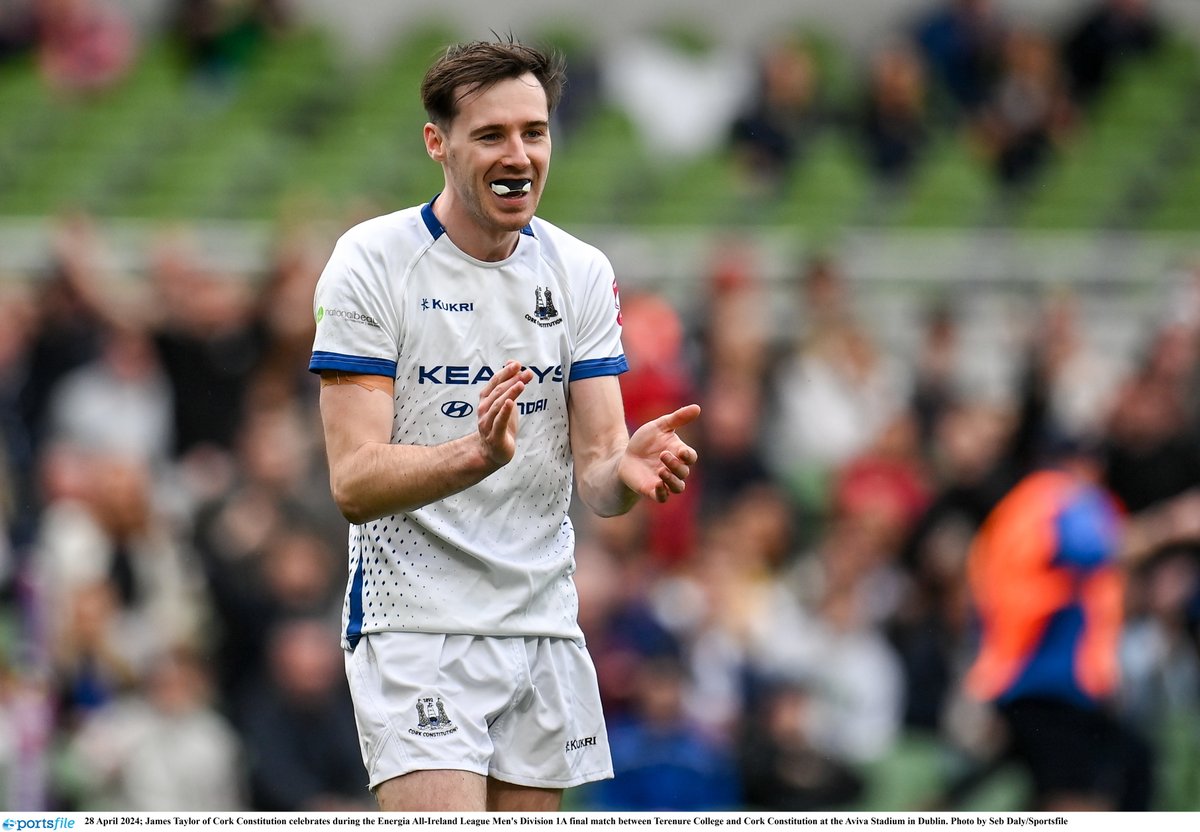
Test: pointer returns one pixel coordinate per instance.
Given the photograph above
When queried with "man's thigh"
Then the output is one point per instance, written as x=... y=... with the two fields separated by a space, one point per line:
x=509 y=797
x=462 y=791
x=439 y=790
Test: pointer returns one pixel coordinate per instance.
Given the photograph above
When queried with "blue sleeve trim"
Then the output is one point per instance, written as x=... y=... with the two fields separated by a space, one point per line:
x=351 y=364
x=599 y=367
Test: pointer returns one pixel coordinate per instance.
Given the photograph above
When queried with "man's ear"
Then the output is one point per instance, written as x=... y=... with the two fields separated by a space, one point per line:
x=435 y=142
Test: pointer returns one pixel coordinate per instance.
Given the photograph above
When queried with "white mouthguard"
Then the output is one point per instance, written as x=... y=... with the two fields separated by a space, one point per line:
x=501 y=190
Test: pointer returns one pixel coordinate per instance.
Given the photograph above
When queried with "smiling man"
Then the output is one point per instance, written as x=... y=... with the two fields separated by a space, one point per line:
x=469 y=355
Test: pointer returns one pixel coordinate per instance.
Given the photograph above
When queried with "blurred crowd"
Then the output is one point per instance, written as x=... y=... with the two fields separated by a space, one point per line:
x=807 y=606
x=965 y=73
x=172 y=568
x=84 y=47
x=1015 y=91
x=172 y=564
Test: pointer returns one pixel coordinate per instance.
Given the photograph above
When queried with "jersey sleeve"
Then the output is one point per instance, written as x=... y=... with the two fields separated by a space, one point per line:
x=356 y=318
x=1088 y=529
x=598 y=350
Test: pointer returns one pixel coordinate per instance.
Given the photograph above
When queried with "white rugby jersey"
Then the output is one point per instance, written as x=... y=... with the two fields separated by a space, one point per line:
x=399 y=299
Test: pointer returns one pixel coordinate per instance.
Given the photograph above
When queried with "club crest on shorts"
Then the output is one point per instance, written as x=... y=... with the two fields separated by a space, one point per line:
x=432 y=720
x=545 y=313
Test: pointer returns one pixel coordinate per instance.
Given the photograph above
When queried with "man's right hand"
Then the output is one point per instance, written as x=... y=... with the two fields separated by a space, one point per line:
x=498 y=412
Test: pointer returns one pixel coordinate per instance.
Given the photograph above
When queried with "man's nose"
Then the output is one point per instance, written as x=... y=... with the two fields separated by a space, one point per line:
x=515 y=155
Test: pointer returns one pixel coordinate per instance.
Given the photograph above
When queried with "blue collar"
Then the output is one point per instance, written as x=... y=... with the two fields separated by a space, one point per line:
x=435 y=225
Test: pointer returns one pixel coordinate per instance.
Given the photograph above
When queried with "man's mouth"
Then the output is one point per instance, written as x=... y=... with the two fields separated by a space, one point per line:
x=511 y=187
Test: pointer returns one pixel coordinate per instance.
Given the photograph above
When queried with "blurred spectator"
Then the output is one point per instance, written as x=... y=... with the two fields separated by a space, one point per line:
x=298 y=725
x=735 y=331
x=90 y=663
x=283 y=313
x=1076 y=381
x=770 y=137
x=295 y=573
x=1109 y=34
x=962 y=41
x=892 y=120
x=728 y=606
x=219 y=37
x=937 y=373
x=973 y=467
x=661 y=761
x=268 y=540
x=1173 y=357
x=72 y=309
x=853 y=674
x=119 y=402
x=84 y=46
x=826 y=302
x=1046 y=574
x=1029 y=114
x=160 y=748
x=28 y=732
x=1160 y=656
x=659 y=380
x=749 y=619
x=888 y=479
x=834 y=397
x=737 y=320
x=729 y=440
x=659 y=376
x=17 y=463
x=1151 y=453
x=105 y=551
x=781 y=769
x=208 y=345
x=855 y=720
x=617 y=613
x=830 y=393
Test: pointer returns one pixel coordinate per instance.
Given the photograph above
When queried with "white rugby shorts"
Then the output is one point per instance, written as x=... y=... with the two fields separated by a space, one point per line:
x=522 y=710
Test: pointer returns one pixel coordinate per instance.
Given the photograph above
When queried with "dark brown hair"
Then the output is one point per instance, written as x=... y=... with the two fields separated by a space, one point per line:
x=466 y=67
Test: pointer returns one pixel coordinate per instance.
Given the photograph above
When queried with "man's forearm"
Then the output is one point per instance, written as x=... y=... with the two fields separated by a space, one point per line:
x=381 y=479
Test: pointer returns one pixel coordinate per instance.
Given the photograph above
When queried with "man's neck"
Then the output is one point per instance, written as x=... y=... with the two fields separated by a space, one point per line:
x=469 y=238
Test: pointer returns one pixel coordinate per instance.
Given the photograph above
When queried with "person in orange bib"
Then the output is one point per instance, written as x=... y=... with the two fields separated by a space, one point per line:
x=1046 y=574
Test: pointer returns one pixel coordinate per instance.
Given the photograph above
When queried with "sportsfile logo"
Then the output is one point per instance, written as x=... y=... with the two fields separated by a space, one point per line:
x=17 y=824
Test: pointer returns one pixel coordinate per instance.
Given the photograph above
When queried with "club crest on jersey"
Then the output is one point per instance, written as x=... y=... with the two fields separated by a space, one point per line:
x=432 y=720
x=545 y=313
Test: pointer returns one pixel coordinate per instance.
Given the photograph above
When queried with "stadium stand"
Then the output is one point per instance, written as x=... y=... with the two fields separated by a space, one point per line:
x=302 y=120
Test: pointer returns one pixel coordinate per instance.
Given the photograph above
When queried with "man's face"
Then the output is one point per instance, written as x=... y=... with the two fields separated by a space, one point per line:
x=496 y=153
